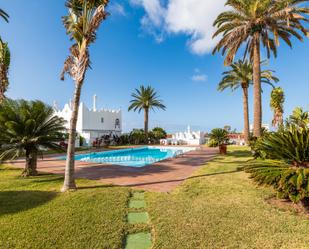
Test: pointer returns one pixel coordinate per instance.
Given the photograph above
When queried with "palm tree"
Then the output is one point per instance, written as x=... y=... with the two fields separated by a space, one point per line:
x=276 y=104
x=27 y=127
x=4 y=15
x=145 y=98
x=5 y=60
x=82 y=22
x=241 y=75
x=255 y=23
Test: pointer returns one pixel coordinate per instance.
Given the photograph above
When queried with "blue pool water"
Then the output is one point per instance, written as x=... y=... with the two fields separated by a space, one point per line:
x=136 y=157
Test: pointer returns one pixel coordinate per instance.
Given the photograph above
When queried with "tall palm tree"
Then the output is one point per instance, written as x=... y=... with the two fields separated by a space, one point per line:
x=26 y=127
x=241 y=75
x=82 y=22
x=5 y=60
x=4 y=15
x=255 y=23
x=145 y=98
x=276 y=104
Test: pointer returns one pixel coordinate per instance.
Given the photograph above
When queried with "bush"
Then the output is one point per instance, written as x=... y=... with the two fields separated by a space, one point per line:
x=290 y=144
x=290 y=183
x=213 y=143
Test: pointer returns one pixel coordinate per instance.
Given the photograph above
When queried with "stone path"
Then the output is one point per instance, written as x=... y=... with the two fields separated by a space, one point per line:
x=162 y=176
x=138 y=221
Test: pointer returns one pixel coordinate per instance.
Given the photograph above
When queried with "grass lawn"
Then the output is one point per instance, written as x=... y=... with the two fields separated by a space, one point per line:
x=33 y=214
x=220 y=207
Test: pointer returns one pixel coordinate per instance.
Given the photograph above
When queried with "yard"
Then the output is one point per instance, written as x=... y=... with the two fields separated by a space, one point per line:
x=218 y=207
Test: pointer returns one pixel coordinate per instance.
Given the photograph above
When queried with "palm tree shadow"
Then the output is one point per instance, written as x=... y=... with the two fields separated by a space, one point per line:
x=12 y=202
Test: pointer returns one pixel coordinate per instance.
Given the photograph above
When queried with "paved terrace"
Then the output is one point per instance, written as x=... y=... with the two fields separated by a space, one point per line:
x=162 y=176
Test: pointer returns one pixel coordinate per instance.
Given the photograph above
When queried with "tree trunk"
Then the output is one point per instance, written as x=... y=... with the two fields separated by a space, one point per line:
x=146 y=118
x=246 y=115
x=31 y=164
x=257 y=126
x=69 y=178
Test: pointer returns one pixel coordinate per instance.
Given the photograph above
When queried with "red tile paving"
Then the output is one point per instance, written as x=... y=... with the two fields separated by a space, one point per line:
x=162 y=176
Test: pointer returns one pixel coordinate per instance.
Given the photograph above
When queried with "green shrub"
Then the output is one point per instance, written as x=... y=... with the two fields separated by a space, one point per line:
x=213 y=143
x=290 y=144
x=290 y=182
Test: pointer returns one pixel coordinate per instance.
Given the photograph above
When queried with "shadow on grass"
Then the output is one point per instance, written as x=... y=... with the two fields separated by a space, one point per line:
x=12 y=202
x=97 y=186
x=183 y=179
x=240 y=153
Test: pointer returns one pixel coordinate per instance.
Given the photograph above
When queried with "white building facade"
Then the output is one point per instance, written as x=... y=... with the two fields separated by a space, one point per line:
x=93 y=123
x=185 y=138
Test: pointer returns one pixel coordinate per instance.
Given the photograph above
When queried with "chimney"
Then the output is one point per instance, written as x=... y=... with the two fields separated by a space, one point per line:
x=94 y=108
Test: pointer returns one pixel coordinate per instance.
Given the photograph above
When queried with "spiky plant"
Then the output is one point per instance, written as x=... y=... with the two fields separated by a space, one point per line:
x=256 y=23
x=299 y=118
x=5 y=60
x=276 y=104
x=27 y=127
x=241 y=76
x=82 y=22
x=145 y=99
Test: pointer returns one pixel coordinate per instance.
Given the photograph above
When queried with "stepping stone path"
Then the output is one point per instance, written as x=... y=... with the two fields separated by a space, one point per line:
x=137 y=216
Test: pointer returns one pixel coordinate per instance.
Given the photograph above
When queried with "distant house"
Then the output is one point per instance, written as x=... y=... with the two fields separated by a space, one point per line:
x=93 y=123
x=237 y=138
x=265 y=126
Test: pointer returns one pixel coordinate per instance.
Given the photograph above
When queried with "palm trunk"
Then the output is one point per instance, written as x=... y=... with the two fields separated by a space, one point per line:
x=69 y=178
x=31 y=164
x=257 y=126
x=146 y=120
x=246 y=115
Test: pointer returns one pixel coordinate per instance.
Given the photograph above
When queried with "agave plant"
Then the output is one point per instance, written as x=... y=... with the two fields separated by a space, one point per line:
x=276 y=104
x=27 y=127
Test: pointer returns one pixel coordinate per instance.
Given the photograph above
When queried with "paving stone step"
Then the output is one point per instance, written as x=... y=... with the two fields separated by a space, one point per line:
x=138 y=218
x=139 y=241
x=137 y=203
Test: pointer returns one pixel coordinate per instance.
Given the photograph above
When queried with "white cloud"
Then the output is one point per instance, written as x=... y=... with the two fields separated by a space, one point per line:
x=117 y=9
x=199 y=77
x=191 y=17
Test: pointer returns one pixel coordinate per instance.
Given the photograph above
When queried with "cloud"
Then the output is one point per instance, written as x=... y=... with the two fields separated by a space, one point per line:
x=199 y=77
x=117 y=9
x=193 y=18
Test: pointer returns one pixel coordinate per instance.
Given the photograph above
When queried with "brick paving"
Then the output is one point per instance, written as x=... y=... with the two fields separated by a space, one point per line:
x=162 y=176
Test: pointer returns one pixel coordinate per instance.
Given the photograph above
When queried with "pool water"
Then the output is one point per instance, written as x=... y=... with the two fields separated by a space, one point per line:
x=135 y=157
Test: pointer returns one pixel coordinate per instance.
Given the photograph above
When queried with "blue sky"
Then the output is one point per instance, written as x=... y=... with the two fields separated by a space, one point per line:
x=142 y=42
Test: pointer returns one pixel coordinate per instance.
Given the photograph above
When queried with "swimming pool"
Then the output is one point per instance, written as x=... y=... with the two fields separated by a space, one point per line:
x=135 y=157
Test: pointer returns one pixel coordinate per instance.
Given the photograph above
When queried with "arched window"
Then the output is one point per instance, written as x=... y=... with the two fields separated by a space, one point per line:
x=117 y=123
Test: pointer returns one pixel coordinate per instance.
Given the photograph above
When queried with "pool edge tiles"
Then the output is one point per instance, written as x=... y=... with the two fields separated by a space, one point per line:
x=134 y=157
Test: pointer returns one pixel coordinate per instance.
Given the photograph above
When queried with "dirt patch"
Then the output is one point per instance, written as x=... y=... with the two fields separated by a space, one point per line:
x=286 y=205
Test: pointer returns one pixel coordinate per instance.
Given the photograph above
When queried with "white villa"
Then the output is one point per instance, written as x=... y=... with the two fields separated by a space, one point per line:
x=93 y=123
x=185 y=138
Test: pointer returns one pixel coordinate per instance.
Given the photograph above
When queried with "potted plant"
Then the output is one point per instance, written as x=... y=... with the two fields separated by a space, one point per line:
x=220 y=136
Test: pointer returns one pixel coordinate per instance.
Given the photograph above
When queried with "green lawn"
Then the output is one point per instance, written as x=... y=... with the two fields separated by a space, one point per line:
x=33 y=214
x=221 y=208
